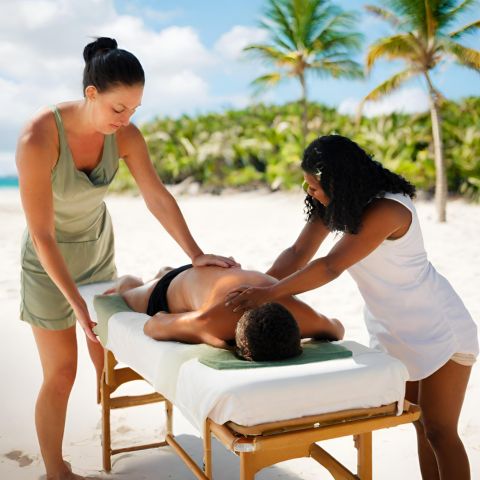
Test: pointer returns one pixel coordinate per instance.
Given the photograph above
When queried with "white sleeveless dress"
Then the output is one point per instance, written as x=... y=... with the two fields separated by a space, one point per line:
x=411 y=311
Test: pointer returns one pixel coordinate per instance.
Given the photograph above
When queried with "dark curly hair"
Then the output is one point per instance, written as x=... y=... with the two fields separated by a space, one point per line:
x=268 y=332
x=351 y=179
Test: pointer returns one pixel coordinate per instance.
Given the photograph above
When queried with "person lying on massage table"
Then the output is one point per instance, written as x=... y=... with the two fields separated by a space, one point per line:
x=187 y=304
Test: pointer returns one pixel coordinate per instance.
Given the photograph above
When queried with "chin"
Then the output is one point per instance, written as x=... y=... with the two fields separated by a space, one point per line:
x=109 y=129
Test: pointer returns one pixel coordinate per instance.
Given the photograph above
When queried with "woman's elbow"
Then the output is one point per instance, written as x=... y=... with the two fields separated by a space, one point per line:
x=42 y=239
x=332 y=270
x=149 y=329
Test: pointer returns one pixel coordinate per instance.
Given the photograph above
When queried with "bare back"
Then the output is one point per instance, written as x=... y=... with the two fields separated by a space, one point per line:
x=203 y=287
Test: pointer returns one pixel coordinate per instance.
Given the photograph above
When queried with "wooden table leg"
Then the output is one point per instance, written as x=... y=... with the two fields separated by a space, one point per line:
x=106 y=438
x=364 y=464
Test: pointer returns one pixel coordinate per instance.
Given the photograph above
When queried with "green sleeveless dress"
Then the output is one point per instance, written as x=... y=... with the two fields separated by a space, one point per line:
x=83 y=231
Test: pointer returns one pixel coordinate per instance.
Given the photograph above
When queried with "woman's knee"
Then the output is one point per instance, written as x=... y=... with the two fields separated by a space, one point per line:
x=61 y=380
x=439 y=434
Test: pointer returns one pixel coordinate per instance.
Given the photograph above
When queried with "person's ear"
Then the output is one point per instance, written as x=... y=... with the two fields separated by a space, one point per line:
x=91 y=92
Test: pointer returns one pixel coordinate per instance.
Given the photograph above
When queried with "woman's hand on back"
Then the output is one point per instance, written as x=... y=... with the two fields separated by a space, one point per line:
x=208 y=259
x=245 y=297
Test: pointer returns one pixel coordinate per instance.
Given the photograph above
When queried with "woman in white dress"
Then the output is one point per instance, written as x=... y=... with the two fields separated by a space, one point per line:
x=411 y=311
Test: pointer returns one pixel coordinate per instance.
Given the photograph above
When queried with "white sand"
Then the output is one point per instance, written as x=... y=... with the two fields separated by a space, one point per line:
x=253 y=227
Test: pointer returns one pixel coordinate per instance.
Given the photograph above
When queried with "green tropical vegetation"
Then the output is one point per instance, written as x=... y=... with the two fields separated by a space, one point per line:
x=262 y=146
x=306 y=37
x=424 y=37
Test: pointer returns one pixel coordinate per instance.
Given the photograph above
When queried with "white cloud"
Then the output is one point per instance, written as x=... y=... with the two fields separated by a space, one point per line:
x=41 y=45
x=44 y=11
x=407 y=100
x=231 y=44
x=160 y=16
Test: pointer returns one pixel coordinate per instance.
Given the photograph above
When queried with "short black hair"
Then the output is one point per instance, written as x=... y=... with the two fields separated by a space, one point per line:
x=269 y=332
x=350 y=178
x=107 y=66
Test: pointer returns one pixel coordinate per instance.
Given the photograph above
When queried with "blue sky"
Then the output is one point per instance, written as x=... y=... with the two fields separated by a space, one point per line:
x=191 y=53
x=212 y=18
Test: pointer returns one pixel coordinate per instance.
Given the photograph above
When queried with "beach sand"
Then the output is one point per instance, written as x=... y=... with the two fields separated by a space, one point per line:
x=254 y=228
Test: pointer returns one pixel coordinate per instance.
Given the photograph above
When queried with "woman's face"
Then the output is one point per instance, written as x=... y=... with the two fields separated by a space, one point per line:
x=315 y=190
x=113 y=108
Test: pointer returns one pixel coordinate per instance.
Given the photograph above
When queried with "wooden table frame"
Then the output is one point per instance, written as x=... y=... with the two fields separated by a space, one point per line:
x=261 y=445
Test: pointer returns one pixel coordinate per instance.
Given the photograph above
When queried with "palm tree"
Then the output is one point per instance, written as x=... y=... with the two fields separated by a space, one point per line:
x=306 y=35
x=423 y=39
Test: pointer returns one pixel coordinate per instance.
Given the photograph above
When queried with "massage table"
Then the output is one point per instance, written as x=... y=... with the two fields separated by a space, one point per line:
x=263 y=415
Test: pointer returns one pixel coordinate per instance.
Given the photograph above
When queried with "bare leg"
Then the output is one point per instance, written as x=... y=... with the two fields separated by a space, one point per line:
x=441 y=398
x=129 y=282
x=426 y=455
x=124 y=283
x=96 y=354
x=58 y=355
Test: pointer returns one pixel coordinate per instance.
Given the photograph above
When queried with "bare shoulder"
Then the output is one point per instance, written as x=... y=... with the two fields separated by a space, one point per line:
x=38 y=139
x=258 y=279
x=128 y=138
x=384 y=210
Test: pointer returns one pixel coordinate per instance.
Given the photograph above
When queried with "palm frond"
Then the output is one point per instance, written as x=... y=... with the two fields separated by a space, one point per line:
x=340 y=41
x=462 y=7
x=466 y=56
x=280 y=21
x=277 y=38
x=298 y=11
x=335 y=22
x=337 y=36
x=384 y=14
x=317 y=14
x=389 y=85
x=268 y=53
x=402 y=46
x=260 y=84
x=337 y=68
x=465 y=30
x=412 y=14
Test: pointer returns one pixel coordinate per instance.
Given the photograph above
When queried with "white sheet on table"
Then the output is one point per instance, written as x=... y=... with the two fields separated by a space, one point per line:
x=251 y=396
x=89 y=291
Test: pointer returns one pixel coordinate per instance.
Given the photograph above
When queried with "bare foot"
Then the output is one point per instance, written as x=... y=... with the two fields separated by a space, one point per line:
x=70 y=476
x=124 y=283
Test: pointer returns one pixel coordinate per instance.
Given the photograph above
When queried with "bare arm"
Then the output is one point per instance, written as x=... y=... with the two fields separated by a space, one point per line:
x=301 y=252
x=37 y=153
x=186 y=327
x=382 y=220
x=313 y=324
x=159 y=201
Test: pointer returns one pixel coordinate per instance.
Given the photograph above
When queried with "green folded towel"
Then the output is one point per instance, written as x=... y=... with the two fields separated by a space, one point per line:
x=312 y=352
x=106 y=306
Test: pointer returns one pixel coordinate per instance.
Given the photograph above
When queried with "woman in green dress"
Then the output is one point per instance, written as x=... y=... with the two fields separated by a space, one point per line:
x=67 y=156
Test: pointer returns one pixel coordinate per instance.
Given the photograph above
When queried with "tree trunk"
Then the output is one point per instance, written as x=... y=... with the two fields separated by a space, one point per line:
x=304 y=103
x=441 y=187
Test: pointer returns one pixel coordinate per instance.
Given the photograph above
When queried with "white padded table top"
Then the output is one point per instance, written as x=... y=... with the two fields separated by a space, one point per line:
x=248 y=397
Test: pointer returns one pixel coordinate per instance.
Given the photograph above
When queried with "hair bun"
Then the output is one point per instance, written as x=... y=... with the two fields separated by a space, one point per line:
x=99 y=46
